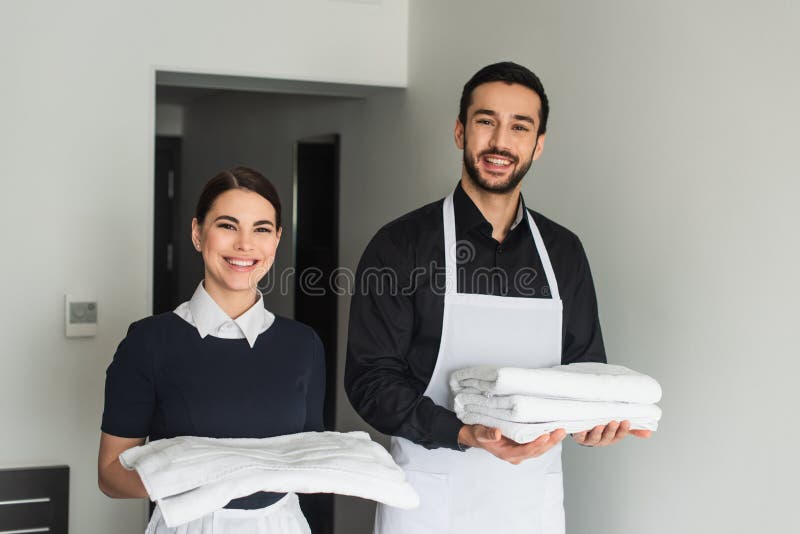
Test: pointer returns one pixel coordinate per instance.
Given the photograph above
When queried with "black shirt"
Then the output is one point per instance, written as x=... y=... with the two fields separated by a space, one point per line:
x=167 y=381
x=398 y=306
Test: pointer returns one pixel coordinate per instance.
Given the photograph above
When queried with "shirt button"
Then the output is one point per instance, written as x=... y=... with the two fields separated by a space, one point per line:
x=499 y=250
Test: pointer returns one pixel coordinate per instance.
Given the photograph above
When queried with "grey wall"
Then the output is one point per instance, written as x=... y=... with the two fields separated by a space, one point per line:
x=670 y=152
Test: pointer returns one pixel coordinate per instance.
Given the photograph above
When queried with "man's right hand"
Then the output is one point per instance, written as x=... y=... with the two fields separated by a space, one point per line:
x=493 y=441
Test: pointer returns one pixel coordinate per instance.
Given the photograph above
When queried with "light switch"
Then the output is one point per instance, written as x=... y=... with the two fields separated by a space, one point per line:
x=81 y=316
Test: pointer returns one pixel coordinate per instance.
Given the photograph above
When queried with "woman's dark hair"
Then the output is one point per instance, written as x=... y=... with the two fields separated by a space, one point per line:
x=238 y=178
x=508 y=72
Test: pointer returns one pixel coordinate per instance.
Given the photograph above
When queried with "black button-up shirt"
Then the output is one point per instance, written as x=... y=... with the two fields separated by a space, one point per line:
x=398 y=306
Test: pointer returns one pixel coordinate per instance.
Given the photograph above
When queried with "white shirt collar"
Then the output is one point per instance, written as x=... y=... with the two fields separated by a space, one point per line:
x=205 y=314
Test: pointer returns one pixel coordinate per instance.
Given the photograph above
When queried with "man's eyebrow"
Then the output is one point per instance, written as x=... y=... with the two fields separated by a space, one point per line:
x=492 y=113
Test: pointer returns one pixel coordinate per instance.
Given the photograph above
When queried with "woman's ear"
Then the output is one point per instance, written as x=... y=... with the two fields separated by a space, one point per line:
x=196 y=234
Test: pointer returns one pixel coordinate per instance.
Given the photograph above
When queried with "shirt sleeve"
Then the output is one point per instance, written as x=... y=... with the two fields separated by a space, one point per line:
x=377 y=379
x=315 y=394
x=130 y=388
x=583 y=338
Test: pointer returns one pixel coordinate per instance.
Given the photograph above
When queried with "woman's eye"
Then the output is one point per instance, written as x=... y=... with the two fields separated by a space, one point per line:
x=264 y=230
x=226 y=226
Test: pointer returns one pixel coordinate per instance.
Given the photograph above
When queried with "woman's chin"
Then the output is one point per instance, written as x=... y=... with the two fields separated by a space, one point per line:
x=238 y=283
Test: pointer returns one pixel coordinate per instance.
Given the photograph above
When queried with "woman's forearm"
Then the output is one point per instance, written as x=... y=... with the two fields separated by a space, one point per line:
x=119 y=483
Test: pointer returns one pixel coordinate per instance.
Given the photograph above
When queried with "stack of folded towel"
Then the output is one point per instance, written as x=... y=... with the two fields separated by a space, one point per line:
x=526 y=403
x=190 y=477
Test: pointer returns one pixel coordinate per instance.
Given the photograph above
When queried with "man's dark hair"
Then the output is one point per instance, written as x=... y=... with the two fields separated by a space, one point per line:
x=508 y=72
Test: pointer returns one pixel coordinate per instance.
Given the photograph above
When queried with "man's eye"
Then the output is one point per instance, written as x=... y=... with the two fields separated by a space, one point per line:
x=484 y=121
x=520 y=128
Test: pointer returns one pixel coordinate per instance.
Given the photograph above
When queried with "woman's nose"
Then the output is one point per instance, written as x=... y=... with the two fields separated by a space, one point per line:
x=243 y=242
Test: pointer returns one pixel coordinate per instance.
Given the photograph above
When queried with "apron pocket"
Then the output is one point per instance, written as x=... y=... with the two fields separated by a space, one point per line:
x=433 y=513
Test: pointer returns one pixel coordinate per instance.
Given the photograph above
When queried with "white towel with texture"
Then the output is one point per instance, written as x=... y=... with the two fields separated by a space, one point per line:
x=527 y=409
x=527 y=432
x=587 y=381
x=190 y=477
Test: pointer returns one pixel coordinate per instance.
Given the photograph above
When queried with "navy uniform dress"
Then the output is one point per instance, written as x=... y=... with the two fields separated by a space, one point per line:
x=197 y=372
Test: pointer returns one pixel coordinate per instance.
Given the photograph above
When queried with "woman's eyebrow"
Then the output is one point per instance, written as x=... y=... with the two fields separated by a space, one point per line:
x=235 y=220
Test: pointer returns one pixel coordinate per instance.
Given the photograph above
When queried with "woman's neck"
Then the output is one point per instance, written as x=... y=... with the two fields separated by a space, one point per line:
x=233 y=303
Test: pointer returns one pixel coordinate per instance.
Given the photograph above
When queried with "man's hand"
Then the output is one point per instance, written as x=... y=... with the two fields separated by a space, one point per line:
x=603 y=435
x=492 y=440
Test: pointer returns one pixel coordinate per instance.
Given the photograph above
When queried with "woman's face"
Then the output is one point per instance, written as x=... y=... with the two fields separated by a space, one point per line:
x=238 y=240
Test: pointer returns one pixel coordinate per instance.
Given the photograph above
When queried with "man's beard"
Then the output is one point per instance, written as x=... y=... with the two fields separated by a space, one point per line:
x=503 y=187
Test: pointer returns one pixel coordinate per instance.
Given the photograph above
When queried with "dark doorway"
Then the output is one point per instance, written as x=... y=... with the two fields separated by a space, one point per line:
x=317 y=251
x=165 y=257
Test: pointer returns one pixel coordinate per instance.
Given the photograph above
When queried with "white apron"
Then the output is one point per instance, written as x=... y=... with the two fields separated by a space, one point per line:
x=282 y=517
x=474 y=491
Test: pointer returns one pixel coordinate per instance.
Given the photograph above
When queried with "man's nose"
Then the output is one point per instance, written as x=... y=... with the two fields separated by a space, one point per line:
x=500 y=139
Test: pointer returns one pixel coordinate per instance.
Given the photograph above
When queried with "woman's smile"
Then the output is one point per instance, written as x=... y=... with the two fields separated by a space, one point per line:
x=242 y=265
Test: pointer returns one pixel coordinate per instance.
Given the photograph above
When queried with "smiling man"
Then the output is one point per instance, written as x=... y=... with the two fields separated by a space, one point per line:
x=479 y=279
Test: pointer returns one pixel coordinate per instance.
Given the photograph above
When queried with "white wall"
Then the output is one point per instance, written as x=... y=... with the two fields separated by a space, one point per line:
x=76 y=145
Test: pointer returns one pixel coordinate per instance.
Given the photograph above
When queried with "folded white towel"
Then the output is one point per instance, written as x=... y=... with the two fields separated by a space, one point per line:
x=526 y=409
x=588 y=381
x=527 y=432
x=190 y=477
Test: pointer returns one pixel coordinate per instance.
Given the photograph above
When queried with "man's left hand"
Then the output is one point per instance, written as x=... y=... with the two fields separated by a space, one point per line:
x=603 y=435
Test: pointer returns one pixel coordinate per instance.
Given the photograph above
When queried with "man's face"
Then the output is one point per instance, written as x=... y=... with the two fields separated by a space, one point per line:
x=499 y=138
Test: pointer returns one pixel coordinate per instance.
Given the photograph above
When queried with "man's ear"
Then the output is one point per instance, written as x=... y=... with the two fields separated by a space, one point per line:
x=458 y=134
x=537 y=151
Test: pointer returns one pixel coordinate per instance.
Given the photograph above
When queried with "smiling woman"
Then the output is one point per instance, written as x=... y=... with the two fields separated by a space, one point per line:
x=220 y=365
x=237 y=227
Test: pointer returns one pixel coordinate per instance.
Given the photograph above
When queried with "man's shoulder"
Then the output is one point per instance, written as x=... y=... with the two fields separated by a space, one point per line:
x=555 y=234
x=410 y=227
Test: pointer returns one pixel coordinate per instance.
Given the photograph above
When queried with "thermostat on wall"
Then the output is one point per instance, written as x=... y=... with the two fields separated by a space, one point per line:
x=81 y=316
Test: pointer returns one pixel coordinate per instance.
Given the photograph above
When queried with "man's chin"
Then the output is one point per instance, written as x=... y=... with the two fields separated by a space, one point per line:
x=497 y=184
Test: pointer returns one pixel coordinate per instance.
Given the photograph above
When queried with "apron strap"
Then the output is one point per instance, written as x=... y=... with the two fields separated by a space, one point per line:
x=545 y=257
x=451 y=253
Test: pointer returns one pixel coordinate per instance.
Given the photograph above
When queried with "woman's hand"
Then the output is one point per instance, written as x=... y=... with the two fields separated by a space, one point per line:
x=113 y=479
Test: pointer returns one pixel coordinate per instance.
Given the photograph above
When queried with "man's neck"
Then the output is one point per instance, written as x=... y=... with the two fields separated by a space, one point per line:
x=500 y=209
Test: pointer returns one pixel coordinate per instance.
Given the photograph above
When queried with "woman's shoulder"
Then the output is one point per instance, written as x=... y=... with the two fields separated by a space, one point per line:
x=154 y=328
x=155 y=323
